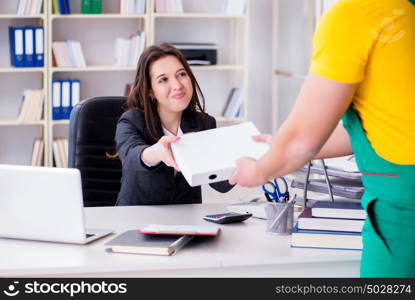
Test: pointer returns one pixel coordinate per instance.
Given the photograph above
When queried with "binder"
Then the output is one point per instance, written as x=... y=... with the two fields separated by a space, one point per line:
x=56 y=7
x=16 y=37
x=66 y=99
x=67 y=6
x=39 y=47
x=29 y=49
x=86 y=6
x=56 y=99
x=75 y=92
x=62 y=7
x=96 y=7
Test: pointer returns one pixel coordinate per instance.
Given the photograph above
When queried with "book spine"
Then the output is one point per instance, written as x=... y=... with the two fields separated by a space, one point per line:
x=86 y=7
x=96 y=7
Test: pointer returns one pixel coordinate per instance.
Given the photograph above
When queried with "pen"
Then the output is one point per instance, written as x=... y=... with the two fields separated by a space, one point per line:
x=283 y=211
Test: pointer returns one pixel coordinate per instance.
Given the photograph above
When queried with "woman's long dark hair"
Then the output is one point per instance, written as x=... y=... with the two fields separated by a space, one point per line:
x=139 y=97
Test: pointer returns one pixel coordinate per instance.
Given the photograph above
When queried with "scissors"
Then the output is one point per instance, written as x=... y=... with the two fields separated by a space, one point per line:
x=273 y=192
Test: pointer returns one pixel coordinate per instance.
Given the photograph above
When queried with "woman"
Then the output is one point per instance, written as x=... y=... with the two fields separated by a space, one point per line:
x=363 y=69
x=164 y=104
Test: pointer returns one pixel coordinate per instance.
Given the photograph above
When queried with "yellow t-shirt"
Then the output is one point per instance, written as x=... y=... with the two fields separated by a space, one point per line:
x=372 y=43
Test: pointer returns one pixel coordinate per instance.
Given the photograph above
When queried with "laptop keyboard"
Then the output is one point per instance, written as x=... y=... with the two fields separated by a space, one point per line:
x=89 y=235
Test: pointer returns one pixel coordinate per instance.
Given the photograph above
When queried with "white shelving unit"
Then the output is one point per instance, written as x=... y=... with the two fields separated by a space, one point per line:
x=201 y=22
x=229 y=32
x=17 y=138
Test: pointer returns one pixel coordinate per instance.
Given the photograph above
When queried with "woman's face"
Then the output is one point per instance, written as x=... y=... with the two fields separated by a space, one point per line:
x=170 y=85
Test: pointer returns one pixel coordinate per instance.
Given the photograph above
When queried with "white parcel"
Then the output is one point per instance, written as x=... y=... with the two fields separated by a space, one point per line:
x=209 y=156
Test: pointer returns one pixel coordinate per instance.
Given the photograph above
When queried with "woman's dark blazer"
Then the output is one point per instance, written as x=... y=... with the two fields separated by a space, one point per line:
x=142 y=185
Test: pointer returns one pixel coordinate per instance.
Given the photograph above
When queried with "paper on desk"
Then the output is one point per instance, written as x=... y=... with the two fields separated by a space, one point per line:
x=209 y=156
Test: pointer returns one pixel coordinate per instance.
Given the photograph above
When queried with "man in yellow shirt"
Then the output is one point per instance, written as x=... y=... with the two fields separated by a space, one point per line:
x=363 y=69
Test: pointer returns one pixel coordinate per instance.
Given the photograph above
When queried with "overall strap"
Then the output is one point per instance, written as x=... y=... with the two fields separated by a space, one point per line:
x=380 y=177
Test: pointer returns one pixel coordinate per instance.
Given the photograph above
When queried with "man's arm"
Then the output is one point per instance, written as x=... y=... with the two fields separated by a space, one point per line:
x=317 y=112
x=337 y=145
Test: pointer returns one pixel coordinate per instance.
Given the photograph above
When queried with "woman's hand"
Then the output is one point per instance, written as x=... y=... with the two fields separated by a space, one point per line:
x=161 y=152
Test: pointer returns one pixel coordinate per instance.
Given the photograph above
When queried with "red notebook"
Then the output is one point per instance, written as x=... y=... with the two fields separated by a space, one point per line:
x=209 y=230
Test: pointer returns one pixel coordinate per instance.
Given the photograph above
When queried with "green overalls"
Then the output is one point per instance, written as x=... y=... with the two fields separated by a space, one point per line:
x=389 y=200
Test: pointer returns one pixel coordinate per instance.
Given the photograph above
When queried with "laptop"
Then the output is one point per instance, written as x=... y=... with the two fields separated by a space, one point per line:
x=40 y=203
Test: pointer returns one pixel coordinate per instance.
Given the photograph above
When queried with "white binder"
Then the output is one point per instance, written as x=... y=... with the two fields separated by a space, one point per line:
x=75 y=92
x=66 y=99
x=56 y=100
x=39 y=47
x=29 y=47
x=209 y=156
x=19 y=47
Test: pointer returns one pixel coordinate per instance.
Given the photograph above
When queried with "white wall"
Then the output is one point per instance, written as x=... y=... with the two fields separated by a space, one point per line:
x=260 y=66
x=293 y=47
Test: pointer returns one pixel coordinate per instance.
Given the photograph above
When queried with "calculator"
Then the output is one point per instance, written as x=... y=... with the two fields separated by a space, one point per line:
x=227 y=218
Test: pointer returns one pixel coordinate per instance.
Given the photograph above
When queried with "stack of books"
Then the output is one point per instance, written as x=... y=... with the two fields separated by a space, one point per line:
x=129 y=7
x=169 y=6
x=159 y=239
x=330 y=225
x=31 y=109
x=68 y=54
x=134 y=243
x=60 y=152
x=128 y=51
x=233 y=105
x=37 y=154
x=29 y=7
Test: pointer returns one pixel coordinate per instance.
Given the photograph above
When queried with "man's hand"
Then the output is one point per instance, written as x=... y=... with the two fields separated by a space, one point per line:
x=247 y=173
x=264 y=138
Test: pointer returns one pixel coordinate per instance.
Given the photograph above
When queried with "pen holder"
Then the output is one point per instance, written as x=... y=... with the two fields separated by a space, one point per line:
x=280 y=216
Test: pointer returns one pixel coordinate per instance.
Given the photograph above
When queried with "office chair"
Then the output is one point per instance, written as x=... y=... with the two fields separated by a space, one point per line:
x=92 y=148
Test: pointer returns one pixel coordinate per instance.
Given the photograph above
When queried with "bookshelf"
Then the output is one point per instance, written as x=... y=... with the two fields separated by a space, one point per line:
x=100 y=77
x=17 y=138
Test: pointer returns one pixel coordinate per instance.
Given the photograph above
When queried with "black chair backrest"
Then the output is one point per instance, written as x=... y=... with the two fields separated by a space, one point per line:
x=92 y=148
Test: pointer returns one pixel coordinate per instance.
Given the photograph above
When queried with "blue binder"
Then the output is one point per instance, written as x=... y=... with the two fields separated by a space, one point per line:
x=68 y=6
x=16 y=38
x=63 y=6
x=56 y=99
x=29 y=47
x=39 y=47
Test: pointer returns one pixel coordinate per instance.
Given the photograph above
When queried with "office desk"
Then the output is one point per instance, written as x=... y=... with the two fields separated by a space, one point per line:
x=241 y=250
